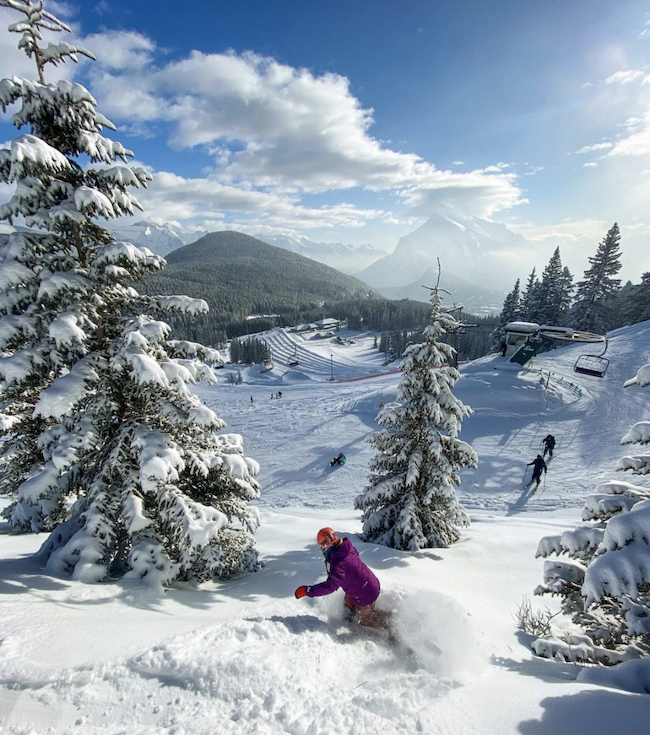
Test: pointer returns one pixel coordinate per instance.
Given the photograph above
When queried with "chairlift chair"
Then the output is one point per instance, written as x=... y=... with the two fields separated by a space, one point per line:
x=595 y=365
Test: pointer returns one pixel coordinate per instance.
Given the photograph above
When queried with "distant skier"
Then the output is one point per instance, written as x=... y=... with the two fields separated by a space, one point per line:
x=279 y=394
x=339 y=459
x=504 y=348
x=251 y=399
x=538 y=465
x=345 y=569
x=549 y=445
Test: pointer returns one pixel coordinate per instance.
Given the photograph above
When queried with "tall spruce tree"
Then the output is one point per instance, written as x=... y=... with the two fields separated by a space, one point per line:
x=411 y=502
x=552 y=292
x=509 y=313
x=592 y=309
x=528 y=301
x=104 y=444
x=565 y=295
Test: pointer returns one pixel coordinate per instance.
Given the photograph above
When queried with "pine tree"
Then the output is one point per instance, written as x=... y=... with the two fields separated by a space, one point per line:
x=528 y=302
x=105 y=445
x=636 y=308
x=553 y=292
x=605 y=587
x=592 y=309
x=509 y=313
x=411 y=502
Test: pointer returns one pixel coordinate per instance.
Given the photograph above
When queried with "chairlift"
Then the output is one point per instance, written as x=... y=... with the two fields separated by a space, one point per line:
x=594 y=365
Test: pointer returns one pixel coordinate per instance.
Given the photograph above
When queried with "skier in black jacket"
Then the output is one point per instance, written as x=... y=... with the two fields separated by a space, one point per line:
x=549 y=445
x=538 y=465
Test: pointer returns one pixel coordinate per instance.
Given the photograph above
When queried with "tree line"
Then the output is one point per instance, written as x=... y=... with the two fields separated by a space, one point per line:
x=597 y=303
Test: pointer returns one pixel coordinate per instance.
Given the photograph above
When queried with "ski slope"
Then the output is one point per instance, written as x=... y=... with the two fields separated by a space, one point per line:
x=244 y=656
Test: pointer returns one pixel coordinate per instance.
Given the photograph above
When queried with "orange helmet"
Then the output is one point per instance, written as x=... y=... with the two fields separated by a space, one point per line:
x=326 y=537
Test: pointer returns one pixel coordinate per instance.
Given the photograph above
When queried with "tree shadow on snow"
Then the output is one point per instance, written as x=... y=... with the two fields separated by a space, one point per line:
x=24 y=575
x=540 y=668
x=600 y=712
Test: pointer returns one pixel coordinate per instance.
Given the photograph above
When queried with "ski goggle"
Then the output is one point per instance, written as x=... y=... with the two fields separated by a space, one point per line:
x=328 y=541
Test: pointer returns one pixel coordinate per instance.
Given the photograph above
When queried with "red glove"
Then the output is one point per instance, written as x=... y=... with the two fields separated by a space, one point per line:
x=301 y=592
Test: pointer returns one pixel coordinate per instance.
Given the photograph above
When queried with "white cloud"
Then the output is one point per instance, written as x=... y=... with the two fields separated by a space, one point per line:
x=278 y=127
x=624 y=77
x=637 y=143
x=570 y=230
x=102 y=7
x=121 y=50
x=61 y=9
x=595 y=147
x=590 y=164
x=173 y=197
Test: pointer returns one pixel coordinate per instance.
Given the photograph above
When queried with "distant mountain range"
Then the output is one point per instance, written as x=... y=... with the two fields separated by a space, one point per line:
x=164 y=239
x=345 y=258
x=160 y=239
x=475 y=299
x=473 y=256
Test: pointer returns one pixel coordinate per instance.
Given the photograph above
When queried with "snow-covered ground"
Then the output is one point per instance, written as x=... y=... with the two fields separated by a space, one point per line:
x=245 y=657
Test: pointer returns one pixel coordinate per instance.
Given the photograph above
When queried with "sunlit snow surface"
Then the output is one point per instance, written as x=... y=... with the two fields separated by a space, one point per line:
x=246 y=657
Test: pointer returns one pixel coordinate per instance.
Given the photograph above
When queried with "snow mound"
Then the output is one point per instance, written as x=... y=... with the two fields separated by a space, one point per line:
x=632 y=676
x=295 y=376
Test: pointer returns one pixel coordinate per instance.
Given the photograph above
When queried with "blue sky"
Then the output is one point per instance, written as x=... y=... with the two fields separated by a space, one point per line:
x=354 y=121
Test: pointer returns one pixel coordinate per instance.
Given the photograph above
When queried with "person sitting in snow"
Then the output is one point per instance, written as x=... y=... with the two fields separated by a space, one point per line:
x=338 y=459
x=538 y=465
x=549 y=445
x=345 y=569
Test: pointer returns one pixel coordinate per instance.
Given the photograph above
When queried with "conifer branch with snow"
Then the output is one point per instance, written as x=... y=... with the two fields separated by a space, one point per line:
x=410 y=502
x=105 y=445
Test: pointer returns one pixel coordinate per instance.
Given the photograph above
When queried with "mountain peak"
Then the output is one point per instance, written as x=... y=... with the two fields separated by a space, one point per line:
x=473 y=249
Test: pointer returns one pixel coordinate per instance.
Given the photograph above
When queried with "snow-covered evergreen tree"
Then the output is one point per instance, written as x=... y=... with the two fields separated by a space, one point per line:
x=410 y=502
x=509 y=313
x=605 y=587
x=592 y=308
x=104 y=444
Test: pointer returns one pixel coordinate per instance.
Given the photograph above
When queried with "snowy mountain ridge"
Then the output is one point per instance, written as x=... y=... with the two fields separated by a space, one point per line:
x=475 y=250
x=162 y=239
x=347 y=258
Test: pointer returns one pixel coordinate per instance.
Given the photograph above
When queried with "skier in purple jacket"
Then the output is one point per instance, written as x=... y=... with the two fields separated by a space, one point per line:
x=345 y=569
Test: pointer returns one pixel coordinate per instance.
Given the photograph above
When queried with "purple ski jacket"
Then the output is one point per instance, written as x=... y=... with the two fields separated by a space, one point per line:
x=346 y=570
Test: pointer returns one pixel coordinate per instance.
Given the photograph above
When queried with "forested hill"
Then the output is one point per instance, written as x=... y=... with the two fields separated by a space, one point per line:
x=239 y=275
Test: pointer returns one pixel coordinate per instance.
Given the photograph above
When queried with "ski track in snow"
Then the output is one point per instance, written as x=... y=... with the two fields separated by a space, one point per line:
x=245 y=657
